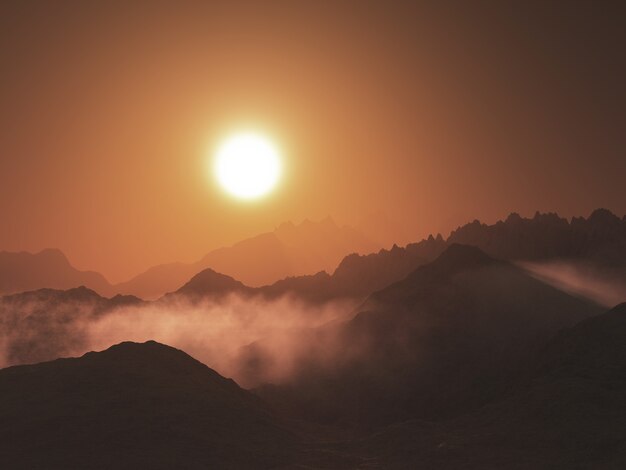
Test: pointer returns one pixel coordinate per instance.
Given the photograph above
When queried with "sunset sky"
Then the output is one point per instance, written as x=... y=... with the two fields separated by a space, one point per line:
x=432 y=113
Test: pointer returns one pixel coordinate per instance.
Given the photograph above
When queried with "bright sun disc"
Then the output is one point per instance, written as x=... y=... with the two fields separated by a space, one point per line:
x=247 y=166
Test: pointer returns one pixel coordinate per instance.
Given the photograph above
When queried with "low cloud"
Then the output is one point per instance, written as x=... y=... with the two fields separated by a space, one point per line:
x=605 y=286
x=252 y=340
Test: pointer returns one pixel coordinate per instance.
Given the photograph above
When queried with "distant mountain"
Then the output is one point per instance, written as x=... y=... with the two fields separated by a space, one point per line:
x=47 y=269
x=318 y=246
x=45 y=324
x=444 y=340
x=290 y=250
x=355 y=277
x=286 y=260
x=364 y=274
x=134 y=406
x=211 y=284
x=584 y=256
x=596 y=247
x=601 y=237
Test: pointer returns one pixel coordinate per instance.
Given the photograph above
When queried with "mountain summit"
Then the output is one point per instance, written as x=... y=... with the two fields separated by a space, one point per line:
x=211 y=283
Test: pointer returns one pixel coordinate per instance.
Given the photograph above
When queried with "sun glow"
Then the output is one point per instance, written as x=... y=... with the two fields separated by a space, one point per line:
x=247 y=165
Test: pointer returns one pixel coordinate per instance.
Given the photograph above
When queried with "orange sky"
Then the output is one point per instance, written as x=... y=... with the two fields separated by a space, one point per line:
x=434 y=115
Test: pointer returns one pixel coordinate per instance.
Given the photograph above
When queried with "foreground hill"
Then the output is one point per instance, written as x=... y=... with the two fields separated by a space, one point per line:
x=133 y=406
x=448 y=338
x=152 y=406
x=23 y=271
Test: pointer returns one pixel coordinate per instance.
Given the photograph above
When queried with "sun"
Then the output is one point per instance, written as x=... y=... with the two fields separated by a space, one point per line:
x=247 y=165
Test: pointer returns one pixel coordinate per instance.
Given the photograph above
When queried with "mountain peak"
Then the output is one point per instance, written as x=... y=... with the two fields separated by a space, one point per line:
x=150 y=352
x=455 y=258
x=603 y=216
x=289 y=225
x=53 y=253
x=210 y=282
x=82 y=293
x=458 y=256
x=329 y=221
x=513 y=218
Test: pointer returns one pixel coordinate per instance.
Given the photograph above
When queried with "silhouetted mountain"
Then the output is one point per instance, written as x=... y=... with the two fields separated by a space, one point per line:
x=602 y=236
x=355 y=277
x=499 y=363
x=569 y=412
x=596 y=243
x=134 y=406
x=442 y=341
x=586 y=257
x=361 y=275
x=290 y=250
x=317 y=287
x=23 y=271
x=593 y=350
x=319 y=246
x=460 y=340
x=209 y=283
x=293 y=252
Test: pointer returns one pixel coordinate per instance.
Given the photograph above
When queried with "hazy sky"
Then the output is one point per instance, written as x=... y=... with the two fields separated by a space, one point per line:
x=435 y=113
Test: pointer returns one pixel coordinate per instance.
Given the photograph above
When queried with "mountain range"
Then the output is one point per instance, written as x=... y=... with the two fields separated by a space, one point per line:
x=354 y=278
x=452 y=357
x=49 y=268
x=466 y=362
x=601 y=237
x=440 y=342
x=44 y=324
x=290 y=250
x=322 y=260
x=590 y=252
x=134 y=406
